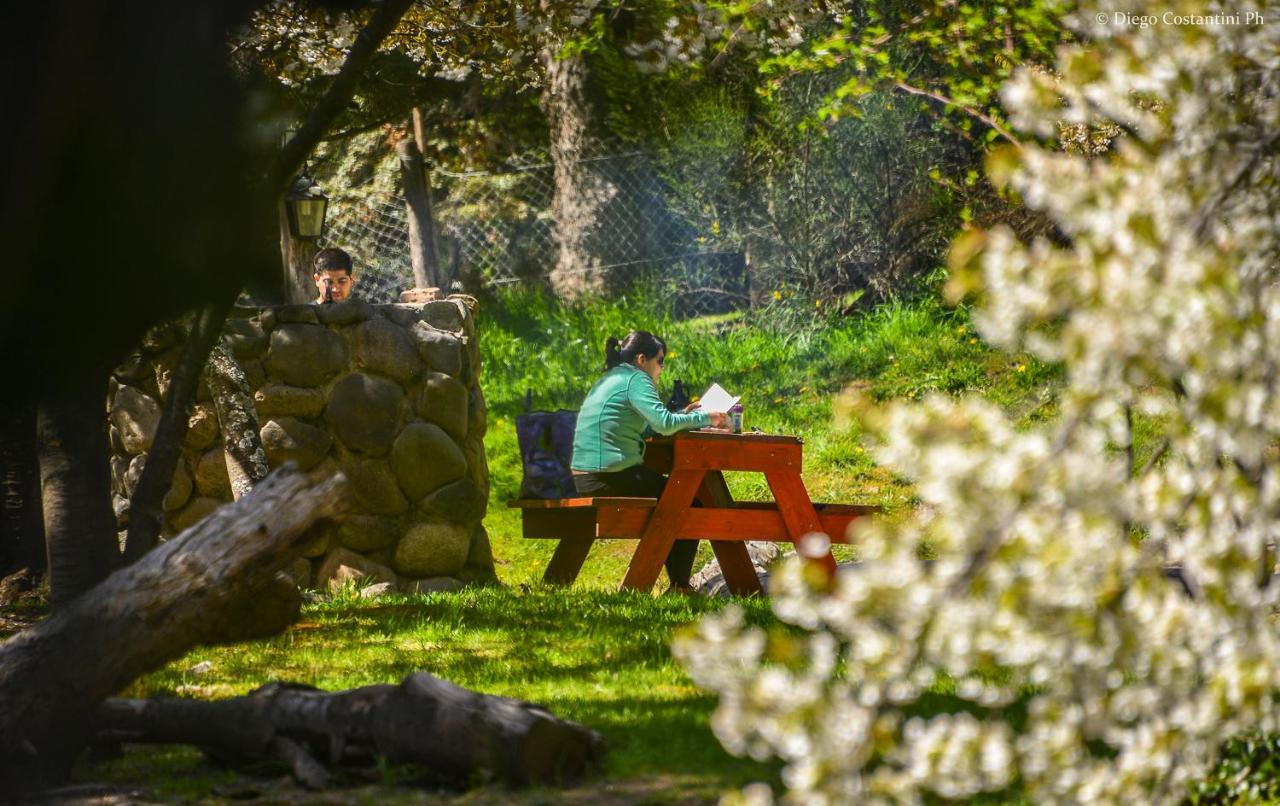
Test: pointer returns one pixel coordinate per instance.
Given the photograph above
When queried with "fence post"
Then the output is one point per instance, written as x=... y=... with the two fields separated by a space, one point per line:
x=426 y=270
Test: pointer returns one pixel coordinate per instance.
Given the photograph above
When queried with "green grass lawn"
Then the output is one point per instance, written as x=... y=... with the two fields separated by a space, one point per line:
x=590 y=653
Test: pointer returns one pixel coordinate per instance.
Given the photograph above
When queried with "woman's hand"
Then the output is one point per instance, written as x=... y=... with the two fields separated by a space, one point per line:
x=691 y=407
x=720 y=420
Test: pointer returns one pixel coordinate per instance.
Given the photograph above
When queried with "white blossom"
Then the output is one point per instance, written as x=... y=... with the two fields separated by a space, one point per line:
x=1081 y=595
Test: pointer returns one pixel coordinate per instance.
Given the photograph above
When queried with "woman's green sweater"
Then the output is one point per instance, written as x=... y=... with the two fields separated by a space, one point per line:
x=620 y=410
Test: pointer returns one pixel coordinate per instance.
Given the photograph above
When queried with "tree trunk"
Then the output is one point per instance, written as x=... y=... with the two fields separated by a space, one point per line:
x=233 y=400
x=213 y=583
x=75 y=484
x=297 y=256
x=417 y=202
x=588 y=204
x=460 y=736
x=21 y=520
x=146 y=509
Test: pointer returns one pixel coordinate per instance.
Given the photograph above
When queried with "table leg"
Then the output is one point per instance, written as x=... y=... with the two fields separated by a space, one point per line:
x=567 y=561
x=662 y=529
x=796 y=509
x=735 y=560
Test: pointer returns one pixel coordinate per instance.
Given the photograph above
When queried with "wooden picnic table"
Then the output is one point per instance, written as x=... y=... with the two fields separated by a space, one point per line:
x=695 y=462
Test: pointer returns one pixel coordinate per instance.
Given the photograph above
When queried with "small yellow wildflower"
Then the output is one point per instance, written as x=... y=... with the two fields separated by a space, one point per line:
x=1022 y=368
x=817 y=303
x=670 y=354
x=962 y=330
x=973 y=341
x=777 y=296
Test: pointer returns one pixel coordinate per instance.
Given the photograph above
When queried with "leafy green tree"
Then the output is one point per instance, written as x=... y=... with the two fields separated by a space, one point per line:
x=798 y=134
x=950 y=57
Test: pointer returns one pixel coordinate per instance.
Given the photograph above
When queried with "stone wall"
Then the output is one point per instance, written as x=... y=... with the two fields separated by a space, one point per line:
x=388 y=394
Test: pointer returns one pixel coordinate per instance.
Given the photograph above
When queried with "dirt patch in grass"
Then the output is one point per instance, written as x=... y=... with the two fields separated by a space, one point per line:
x=174 y=774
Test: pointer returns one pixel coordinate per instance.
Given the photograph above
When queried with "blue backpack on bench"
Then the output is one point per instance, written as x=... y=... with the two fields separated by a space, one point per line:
x=546 y=451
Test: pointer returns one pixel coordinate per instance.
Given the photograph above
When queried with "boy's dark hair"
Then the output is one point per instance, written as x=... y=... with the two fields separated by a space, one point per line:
x=637 y=342
x=332 y=259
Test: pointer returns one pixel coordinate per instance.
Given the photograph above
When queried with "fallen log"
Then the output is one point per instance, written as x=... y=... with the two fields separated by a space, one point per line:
x=214 y=583
x=458 y=736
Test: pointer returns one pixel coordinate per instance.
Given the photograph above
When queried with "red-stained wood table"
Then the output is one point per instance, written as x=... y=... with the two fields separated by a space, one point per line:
x=695 y=462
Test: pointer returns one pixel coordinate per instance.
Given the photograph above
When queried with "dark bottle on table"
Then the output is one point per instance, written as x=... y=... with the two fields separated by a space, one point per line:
x=679 y=399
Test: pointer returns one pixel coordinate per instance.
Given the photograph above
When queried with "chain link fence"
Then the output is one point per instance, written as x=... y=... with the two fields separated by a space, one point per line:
x=498 y=228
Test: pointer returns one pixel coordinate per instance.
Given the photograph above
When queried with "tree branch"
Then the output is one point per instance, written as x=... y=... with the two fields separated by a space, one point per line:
x=146 y=510
x=974 y=113
x=233 y=400
x=294 y=153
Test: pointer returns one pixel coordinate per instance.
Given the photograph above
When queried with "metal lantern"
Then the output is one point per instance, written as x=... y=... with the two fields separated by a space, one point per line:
x=305 y=204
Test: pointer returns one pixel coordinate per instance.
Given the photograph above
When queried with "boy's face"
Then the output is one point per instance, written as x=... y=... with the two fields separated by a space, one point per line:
x=339 y=280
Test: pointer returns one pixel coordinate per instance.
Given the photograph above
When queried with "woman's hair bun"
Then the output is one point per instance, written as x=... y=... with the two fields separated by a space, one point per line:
x=612 y=355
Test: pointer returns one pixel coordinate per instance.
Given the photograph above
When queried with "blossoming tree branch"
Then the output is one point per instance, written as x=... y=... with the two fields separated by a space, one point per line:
x=1107 y=612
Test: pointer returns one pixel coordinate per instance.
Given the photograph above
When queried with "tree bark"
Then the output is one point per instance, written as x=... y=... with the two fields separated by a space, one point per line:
x=588 y=203
x=146 y=509
x=213 y=583
x=233 y=400
x=75 y=484
x=298 y=257
x=460 y=736
x=417 y=202
x=21 y=519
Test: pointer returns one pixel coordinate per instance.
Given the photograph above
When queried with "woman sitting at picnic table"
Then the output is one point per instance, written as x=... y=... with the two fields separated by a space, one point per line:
x=621 y=409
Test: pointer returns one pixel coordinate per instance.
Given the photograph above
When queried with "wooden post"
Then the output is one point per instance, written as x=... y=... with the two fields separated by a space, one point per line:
x=297 y=256
x=417 y=202
x=444 y=273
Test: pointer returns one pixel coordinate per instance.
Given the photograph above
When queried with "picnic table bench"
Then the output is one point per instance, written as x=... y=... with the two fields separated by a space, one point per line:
x=695 y=461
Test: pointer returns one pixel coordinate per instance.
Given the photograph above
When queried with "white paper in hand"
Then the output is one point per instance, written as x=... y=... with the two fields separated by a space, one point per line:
x=716 y=399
